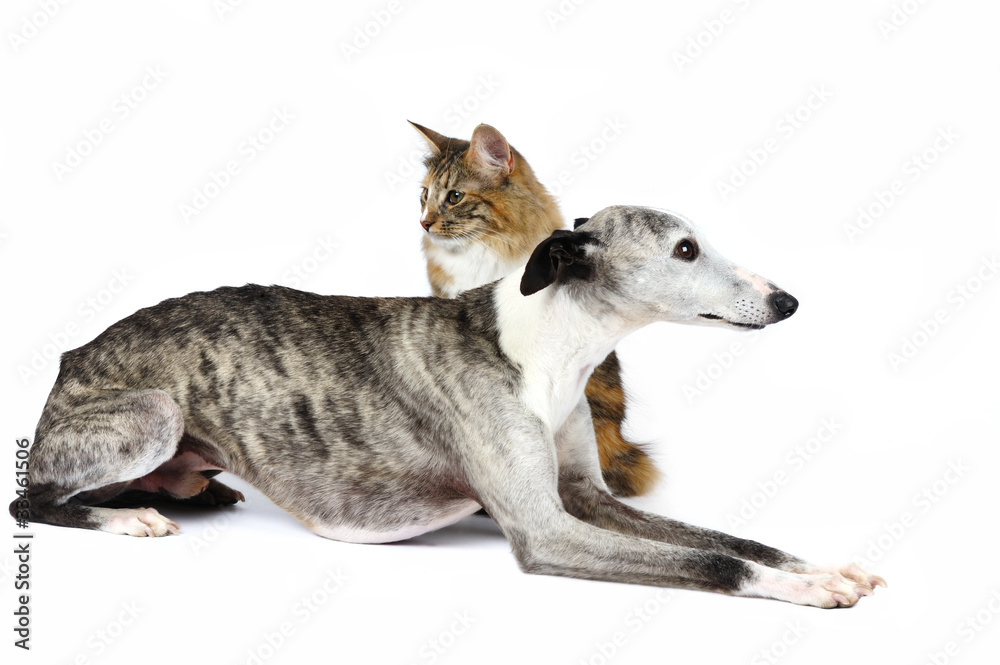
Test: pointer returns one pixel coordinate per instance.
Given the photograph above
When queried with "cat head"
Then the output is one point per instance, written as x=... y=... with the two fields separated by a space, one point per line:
x=483 y=192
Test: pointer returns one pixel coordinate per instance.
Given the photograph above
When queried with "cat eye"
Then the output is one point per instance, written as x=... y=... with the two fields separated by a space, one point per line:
x=454 y=196
x=686 y=250
x=423 y=195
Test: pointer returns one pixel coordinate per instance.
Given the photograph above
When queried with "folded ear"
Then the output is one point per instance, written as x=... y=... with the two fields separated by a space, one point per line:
x=580 y=220
x=562 y=255
x=436 y=142
x=489 y=153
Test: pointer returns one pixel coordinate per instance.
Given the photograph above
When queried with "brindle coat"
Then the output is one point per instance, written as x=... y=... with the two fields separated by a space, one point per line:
x=375 y=419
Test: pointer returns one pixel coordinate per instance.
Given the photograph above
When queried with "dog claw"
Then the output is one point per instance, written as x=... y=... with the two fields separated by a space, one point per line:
x=822 y=586
x=854 y=573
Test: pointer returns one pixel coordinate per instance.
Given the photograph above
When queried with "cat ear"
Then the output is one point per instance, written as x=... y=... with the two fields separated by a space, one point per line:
x=490 y=153
x=580 y=220
x=436 y=142
x=562 y=255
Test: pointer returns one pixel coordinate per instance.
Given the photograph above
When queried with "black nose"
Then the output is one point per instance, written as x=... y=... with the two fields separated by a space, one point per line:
x=783 y=303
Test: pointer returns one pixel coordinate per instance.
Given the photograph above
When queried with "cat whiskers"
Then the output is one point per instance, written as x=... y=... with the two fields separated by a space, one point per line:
x=473 y=238
x=493 y=234
x=476 y=238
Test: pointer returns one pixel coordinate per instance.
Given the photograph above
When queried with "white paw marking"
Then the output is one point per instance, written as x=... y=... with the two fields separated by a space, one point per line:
x=139 y=522
x=826 y=586
x=851 y=571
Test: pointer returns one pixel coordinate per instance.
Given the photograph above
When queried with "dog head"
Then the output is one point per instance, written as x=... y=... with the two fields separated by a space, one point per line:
x=652 y=265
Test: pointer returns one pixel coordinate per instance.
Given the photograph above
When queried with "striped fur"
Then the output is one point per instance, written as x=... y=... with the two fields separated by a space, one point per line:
x=379 y=419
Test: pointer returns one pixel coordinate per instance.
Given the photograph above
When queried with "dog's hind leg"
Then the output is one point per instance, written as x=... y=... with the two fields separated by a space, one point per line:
x=216 y=494
x=92 y=446
x=188 y=477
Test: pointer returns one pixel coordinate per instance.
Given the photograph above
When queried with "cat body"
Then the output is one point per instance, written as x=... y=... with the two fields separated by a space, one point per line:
x=484 y=211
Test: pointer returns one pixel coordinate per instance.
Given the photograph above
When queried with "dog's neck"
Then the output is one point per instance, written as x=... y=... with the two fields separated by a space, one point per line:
x=556 y=341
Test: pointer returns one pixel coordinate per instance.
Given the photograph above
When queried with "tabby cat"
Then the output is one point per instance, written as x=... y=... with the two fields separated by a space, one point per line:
x=484 y=211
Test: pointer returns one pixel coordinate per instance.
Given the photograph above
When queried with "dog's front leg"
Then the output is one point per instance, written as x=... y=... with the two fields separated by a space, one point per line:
x=514 y=477
x=584 y=496
x=584 y=500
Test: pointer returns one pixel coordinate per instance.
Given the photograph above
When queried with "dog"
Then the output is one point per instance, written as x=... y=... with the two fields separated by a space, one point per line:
x=378 y=419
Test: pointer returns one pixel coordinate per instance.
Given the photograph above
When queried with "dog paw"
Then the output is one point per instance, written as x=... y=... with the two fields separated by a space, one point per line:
x=833 y=590
x=139 y=522
x=851 y=571
x=827 y=588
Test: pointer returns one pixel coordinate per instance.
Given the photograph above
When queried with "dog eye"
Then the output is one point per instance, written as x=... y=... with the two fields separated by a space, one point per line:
x=454 y=196
x=686 y=250
x=423 y=195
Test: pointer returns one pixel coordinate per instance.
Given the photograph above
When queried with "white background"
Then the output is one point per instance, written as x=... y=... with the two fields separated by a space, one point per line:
x=341 y=171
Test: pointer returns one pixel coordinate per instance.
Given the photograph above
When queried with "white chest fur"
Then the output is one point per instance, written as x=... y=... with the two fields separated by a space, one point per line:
x=468 y=265
x=556 y=344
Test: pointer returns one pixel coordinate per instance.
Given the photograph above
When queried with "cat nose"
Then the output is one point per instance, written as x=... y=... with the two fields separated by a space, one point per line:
x=427 y=224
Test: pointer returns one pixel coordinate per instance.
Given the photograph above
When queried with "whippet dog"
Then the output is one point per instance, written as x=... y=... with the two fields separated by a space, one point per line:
x=378 y=419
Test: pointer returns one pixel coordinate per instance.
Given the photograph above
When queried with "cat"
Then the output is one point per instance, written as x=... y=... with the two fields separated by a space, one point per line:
x=484 y=211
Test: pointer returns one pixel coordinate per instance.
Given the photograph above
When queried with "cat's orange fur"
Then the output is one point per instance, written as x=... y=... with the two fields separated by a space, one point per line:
x=501 y=214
